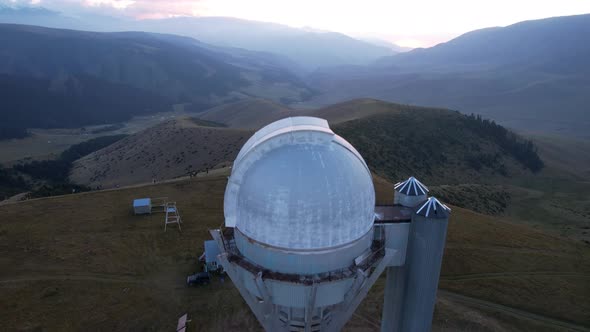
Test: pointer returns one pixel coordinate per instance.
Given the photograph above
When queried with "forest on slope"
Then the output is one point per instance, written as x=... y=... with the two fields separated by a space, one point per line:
x=52 y=78
x=438 y=146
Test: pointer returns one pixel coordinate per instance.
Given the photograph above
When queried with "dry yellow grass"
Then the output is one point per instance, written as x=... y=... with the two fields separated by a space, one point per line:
x=85 y=262
x=255 y=113
x=171 y=149
x=356 y=109
x=248 y=113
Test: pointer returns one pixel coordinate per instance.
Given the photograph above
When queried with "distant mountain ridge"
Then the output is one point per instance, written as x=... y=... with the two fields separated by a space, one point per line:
x=309 y=48
x=174 y=66
x=384 y=43
x=540 y=44
x=143 y=71
x=533 y=75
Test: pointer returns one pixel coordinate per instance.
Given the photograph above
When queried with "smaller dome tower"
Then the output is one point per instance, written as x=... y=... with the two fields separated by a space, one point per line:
x=426 y=246
x=410 y=193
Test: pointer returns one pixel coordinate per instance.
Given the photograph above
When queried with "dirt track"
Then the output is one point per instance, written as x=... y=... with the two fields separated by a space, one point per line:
x=515 y=312
x=479 y=276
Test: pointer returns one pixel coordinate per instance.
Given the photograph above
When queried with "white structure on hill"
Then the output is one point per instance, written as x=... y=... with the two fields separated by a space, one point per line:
x=142 y=206
x=301 y=241
x=410 y=192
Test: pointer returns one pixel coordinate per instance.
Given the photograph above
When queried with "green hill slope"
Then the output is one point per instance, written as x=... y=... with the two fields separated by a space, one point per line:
x=248 y=113
x=438 y=146
x=171 y=149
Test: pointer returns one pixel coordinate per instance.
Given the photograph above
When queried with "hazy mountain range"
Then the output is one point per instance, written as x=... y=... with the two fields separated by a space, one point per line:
x=308 y=48
x=54 y=77
x=532 y=75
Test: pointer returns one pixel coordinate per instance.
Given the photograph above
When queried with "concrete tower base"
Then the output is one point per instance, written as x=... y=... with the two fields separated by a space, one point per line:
x=286 y=302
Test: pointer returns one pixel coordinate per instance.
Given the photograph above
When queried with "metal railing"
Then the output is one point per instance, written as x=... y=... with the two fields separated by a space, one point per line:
x=234 y=256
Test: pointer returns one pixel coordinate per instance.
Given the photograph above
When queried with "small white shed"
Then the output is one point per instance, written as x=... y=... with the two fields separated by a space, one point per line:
x=142 y=206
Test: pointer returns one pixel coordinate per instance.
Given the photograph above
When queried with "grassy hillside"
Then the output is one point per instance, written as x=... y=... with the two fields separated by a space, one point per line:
x=248 y=113
x=255 y=113
x=487 y=199
x=85 y=262
x=565 y=156
x=403 y=140
x=171 y=149
x=357 y=109
x=436 y=145
x=556 y=199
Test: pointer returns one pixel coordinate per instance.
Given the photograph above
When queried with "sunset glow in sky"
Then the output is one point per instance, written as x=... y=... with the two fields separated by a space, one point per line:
x=410 y=23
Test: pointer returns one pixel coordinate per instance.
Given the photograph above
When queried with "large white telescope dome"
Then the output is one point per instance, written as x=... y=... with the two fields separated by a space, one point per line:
x=297 y=185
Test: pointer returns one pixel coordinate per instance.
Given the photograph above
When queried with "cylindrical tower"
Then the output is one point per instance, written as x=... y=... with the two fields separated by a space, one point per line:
x=299 y=212
x=408 y=194
x=426 y=246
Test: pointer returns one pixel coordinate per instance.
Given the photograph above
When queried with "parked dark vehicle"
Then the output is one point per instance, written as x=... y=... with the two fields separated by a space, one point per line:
x=201 y=278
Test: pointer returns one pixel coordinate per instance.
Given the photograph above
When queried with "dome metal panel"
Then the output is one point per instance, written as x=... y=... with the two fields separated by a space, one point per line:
x=297 y=185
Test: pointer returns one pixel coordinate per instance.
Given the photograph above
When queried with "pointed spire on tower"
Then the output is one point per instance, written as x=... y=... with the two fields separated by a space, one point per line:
x=411 y=187
x=433 y=208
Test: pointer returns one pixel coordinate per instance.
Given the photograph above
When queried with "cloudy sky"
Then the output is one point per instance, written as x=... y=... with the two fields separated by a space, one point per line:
x=411 y=23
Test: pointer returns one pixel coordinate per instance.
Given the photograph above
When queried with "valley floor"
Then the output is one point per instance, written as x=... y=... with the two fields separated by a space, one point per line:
x=48 y=143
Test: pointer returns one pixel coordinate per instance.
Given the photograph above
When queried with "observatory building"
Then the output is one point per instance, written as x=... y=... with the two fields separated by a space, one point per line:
x=304 y=242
